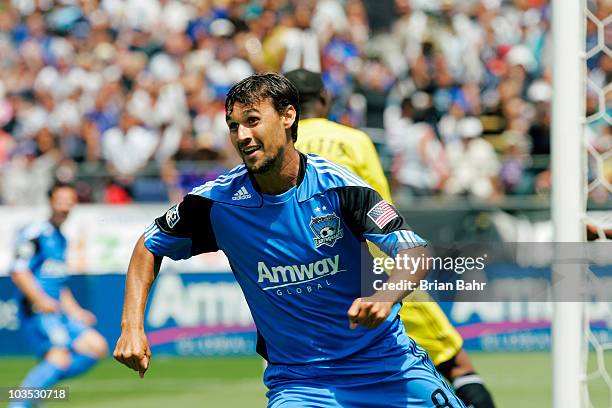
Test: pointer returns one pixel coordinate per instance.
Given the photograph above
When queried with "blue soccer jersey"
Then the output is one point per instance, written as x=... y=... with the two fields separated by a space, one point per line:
x=41 y=249
x=296 y=255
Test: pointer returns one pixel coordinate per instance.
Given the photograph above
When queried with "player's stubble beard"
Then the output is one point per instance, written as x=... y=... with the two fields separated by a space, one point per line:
x=268 y=164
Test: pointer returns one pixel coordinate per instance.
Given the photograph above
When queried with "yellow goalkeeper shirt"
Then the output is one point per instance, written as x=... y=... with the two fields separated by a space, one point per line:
x=425 y=322
x=346 y=146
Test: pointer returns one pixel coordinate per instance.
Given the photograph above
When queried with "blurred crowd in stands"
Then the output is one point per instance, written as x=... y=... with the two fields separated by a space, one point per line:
x=125 y=97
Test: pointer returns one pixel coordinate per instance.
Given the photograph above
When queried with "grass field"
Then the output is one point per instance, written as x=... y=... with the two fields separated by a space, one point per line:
x=516 y=380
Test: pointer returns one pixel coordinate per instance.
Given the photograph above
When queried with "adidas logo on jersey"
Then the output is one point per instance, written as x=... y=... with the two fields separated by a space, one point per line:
x=241 y=194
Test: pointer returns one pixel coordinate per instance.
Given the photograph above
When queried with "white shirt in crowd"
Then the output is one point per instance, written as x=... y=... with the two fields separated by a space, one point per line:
x=418 y=156
x=131 y=151
x=473 y=165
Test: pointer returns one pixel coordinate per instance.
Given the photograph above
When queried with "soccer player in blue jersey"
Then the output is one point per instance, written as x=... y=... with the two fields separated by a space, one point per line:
x=57 y=327
x=293 y=227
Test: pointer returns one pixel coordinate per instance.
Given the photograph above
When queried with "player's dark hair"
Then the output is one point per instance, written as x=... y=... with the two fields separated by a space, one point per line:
x=259 y=87
x=57 y=185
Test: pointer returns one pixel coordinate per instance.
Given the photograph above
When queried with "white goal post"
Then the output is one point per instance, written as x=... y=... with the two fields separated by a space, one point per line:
x=568 y=201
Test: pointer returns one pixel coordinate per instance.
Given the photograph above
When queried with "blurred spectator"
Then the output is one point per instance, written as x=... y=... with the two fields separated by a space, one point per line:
x=513 y=173
x=82 y=70
x=116 y=193
x=300 y=41
x=225 y=69
x=128 y=147
x=419 y=162
x=374 y=83
x=539 y=131
x=474 y=166
x=30 y=172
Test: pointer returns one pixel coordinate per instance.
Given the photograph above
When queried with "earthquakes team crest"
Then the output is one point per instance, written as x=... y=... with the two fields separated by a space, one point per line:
x=326 y=229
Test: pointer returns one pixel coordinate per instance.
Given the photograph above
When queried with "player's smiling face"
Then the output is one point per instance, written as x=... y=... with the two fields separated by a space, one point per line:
x=260 y=134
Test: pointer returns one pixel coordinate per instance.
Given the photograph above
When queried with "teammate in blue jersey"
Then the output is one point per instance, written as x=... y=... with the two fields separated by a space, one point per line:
x=53 y=322
x=293 y=227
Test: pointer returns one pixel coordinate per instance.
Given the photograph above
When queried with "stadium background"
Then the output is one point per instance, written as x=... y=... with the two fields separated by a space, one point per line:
x=125 y=98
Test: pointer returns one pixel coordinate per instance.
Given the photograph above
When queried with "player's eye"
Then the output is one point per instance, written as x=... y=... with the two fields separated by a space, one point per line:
x=233 y=126
x=253 y=120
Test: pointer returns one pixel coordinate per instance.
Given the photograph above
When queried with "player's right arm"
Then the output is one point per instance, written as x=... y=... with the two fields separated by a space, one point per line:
x=184 y=231
x=132 y=348
x=26 y=282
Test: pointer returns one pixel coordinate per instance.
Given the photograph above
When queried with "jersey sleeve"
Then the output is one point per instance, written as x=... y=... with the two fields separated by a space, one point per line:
x=185 y=230
x=371 y=218
x=25 y=249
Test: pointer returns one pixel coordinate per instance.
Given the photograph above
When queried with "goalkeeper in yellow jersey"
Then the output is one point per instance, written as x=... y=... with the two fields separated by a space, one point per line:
x=425 y=322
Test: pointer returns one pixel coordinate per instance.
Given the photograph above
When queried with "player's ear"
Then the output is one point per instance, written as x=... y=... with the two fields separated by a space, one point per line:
x=289 y=116
x=325 y=98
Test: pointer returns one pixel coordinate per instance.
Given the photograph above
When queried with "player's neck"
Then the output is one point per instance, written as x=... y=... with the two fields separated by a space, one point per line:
x=313 y=113
x=56 y=222
x=309 y=115
x=283 y=176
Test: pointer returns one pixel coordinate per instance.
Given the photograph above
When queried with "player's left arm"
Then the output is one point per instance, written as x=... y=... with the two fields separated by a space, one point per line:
x=373 y=310
x=72 y=308
x=371 y=218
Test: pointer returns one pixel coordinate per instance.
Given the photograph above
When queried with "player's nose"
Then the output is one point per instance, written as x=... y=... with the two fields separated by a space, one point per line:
x=244 y=134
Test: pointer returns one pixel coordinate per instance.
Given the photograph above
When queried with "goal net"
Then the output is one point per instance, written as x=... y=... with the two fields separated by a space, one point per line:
x=597 y=139
x=582 y=189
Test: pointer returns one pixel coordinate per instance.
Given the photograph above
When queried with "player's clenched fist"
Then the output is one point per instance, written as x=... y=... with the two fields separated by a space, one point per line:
x=132 y=349
x=367 y=313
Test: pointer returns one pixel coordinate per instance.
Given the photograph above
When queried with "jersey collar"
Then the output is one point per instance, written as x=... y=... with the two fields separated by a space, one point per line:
x=242 y=191
x=307 y=184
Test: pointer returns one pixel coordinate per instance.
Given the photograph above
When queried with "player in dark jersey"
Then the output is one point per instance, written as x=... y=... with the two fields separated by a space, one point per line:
x=293 y=227
x=51 y=319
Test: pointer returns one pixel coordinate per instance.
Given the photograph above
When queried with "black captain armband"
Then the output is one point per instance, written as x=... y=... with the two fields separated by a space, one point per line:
x=191 y=219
